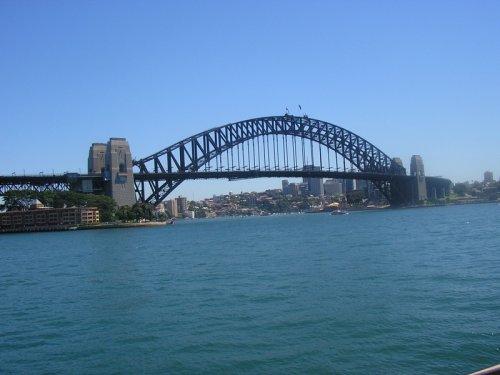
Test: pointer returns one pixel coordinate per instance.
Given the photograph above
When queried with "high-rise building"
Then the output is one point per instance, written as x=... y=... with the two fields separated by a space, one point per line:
x=284 y=187
x=417 y=171
x=314 y=184
x=171 y=207
x=332 y=187
x=182 y=204
x=293 y=189
x=362 y=185
x=160 y=208
x=349 y=185
x=488 y=176
x=304 y=188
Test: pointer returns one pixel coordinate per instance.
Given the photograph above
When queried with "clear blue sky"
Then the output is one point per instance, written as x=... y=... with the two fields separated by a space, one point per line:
x=412 y=77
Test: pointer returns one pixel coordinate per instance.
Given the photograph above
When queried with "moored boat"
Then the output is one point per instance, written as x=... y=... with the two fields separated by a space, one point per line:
x=339 y=212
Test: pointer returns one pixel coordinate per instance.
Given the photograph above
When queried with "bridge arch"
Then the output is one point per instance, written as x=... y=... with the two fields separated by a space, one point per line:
x=195 y=153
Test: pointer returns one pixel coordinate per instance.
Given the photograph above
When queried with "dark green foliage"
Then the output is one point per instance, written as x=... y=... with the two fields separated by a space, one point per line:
x=18 y=199
x=162 y=217
x=460 y=189
x=139 y=211
x=355 y=196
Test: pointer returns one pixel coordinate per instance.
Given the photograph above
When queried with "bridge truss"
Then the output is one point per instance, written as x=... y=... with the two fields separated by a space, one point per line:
x=37 y=183
x=275 y=146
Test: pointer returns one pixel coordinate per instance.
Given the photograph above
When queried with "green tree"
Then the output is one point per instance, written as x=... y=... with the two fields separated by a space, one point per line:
x=19 y=199
x=460 y=189
x=355 y=196
x=161 y=217
x=303 y=204
x=106 y=205
x=121 y=213
x=283 y=205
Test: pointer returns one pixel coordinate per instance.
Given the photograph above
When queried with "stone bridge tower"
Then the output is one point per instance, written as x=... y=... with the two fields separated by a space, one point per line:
x=114 y=162
x=419 y=184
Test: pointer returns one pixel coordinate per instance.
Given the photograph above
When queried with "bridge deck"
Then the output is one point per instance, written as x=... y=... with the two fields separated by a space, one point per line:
x=240 y=174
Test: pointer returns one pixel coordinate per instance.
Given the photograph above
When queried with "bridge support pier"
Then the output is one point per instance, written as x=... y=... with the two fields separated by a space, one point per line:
x=114 y=161
x=402 y=191
x=405 y=190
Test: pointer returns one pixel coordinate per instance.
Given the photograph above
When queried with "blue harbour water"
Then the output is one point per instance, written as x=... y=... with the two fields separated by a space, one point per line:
x=397 y=291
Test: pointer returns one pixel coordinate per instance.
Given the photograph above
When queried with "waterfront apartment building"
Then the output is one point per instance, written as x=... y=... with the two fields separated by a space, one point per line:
x=45 y=219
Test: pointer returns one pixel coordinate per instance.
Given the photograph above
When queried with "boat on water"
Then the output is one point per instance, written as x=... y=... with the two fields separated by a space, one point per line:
x=495 y=370
x=339 y=212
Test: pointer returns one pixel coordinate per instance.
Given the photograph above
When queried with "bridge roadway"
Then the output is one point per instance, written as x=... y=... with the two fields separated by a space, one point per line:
x=47 y=182
x=61 y=182
x=249 y=174
x=437 y=187
x=73 y=181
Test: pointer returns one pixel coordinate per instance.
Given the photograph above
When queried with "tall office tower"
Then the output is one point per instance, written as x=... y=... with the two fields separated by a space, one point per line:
x=314 y=184
x=118 y=172
x=349 y=185
x=171 y=207
x=293 y=189
x=417 y=171
x=488 y=176
x=304 y=188
x=332 y=187
x=181 y=204
x=284 y=187
x=96 y=164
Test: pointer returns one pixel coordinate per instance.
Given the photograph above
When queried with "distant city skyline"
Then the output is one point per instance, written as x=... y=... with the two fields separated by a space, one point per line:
x=413 y=78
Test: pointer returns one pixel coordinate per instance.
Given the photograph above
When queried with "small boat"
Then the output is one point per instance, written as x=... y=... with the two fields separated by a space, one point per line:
x=339 y=212
x=495 y=370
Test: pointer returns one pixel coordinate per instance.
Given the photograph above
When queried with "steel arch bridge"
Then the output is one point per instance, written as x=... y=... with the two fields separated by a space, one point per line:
x=273 y=146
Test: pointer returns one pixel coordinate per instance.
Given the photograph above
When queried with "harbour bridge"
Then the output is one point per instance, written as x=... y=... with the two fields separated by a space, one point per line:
x=274 y=146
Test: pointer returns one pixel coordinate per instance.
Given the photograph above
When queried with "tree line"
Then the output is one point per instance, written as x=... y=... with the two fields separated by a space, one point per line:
x=19 y=200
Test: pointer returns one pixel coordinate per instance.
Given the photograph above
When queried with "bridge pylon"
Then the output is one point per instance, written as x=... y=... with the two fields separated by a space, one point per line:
x=114 y=162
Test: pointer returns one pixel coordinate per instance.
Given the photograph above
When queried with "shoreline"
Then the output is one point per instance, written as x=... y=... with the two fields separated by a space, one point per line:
x=62 y=228
x=120 y=225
